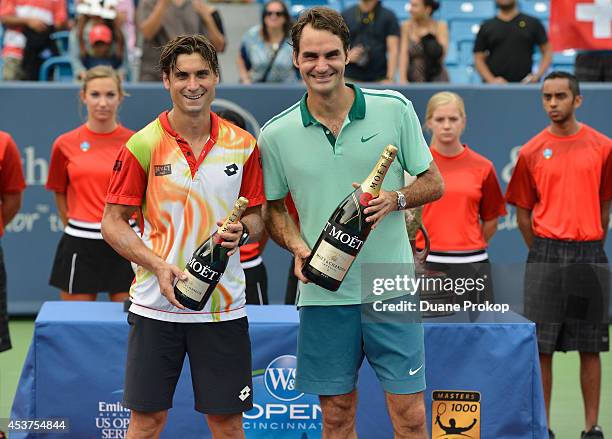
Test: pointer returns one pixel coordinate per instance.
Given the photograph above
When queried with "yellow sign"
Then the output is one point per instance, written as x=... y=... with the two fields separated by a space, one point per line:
x=455 y=414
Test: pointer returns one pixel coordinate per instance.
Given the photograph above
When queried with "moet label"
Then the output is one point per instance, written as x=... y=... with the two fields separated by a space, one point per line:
x=455 y=414
x=193 y=287
x=331 y=261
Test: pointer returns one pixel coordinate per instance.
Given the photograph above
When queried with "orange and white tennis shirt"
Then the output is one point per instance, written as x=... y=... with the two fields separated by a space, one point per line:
x=181 y=198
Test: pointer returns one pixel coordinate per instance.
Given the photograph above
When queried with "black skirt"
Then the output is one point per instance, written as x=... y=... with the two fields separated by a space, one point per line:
x=85 y=265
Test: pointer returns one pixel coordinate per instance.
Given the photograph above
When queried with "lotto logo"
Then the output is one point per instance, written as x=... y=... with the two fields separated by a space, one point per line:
x=244 y=393
x=231 y=169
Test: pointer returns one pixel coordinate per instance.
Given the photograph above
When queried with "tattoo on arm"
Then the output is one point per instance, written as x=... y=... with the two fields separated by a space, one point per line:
x=428 y=187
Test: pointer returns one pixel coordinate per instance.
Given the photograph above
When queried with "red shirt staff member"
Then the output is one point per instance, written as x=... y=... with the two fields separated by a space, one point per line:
x=561 y=187
x=79 y=173
x=12 y=185
x=473 y=196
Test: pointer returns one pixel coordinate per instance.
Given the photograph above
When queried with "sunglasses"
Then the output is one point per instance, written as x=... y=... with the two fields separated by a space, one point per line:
x=278 y=14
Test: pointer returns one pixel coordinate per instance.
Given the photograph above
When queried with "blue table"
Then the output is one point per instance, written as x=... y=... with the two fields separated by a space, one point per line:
x=75 y=369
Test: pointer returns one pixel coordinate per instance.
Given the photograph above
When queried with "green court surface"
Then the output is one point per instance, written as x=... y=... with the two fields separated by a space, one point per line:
x=567 y=410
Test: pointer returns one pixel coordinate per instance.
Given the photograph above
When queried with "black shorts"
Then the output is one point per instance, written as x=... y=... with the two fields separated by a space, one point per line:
x=219 y=357
x=256 y=284
x=292 y=285
x=566 y=294
x=573 y=335
x=84 y=265
x=593 y=67
x=466 y=276
x=5 y=339
x=478 y=272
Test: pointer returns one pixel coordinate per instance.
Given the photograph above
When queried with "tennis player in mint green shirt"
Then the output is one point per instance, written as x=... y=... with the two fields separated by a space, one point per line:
x=315 y=150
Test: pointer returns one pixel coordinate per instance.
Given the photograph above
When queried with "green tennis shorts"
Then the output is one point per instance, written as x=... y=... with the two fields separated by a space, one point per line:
x=333 y=340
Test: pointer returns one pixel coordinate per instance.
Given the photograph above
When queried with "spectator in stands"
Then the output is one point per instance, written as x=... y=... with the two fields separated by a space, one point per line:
x=101 y=43
x=81 y=165
x=255 y=274
x=27 y=35
x=374 y=42
x=593 y=65
x=162 y=20
x=12 y=185
x=265 y=52
x=423 y=45
x=96 y=40
x=504 y=46
x=473 y=198
x=126 y=16
x=562 y=189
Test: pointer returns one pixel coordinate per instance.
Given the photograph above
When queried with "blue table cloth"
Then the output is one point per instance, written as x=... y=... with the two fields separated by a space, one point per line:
x=76 y=362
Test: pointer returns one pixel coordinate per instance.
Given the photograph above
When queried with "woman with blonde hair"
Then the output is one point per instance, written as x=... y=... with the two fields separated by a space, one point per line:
x=82 y=161
x=462 y=222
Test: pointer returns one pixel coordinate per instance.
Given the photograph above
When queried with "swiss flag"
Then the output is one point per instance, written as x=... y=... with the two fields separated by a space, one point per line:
x=581 y=24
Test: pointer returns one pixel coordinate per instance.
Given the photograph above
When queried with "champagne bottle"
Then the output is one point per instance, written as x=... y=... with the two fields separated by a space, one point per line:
x=346 y=230
x=207 y=264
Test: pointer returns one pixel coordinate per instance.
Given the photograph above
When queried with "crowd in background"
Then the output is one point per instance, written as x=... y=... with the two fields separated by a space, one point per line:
x=127 y=35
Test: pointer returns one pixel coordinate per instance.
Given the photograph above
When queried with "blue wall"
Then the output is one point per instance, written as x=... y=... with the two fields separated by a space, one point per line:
x=500 y=119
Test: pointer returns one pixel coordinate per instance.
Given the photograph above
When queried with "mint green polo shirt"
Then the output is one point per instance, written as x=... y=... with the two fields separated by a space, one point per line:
x=301 y=156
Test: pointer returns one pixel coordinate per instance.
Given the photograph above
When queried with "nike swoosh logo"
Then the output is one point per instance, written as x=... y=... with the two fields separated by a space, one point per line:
x=413 y=372
x=365 y=139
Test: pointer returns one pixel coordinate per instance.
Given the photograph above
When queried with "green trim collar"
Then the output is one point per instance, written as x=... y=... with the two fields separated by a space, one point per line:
x=357 y=111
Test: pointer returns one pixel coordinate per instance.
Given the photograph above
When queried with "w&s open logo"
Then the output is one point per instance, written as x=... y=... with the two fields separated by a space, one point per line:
x=279 y=378
x=279 y=410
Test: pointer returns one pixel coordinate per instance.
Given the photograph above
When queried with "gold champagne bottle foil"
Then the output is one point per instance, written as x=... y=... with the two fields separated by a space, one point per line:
x=239 y=207
x=372 y=184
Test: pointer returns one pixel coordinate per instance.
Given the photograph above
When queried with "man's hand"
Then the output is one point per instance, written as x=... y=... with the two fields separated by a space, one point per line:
x=530 y=79
x=166 y=274
x=201 y=8
x=379 y=207
x=301 y=252
x=231 y=237
x=355 y=53
x=37 y=25
x=498 y=80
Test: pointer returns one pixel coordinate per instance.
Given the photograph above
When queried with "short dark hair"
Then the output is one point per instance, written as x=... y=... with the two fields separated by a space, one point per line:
x=320 y=18
x=186 y=45
x=286 y=25
x=573 y=81
x=433 y=4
